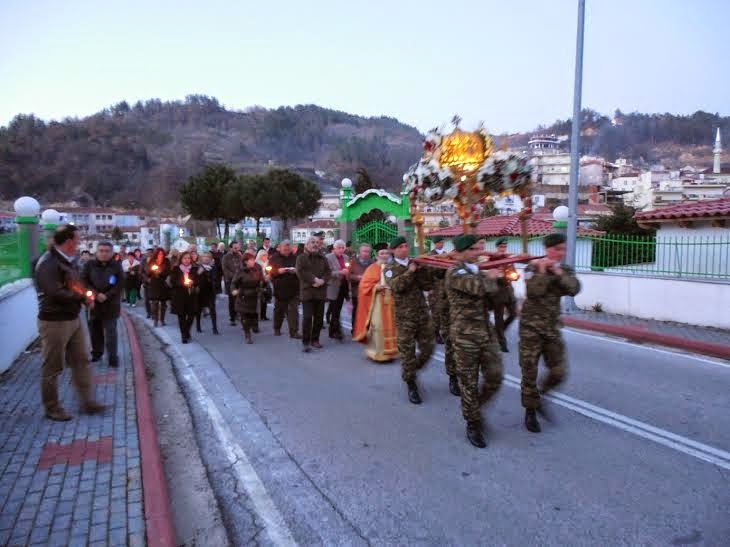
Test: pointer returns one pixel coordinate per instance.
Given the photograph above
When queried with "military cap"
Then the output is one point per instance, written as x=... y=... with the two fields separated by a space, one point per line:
x=437 y=239
x=319 y=234
x=501 y=241
x=397 y=242
x=380 y=246
x=551 y=240
x=462 y=243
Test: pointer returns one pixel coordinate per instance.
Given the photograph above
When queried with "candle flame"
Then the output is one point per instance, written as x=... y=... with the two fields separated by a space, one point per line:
x=155 y=267
x=89 y=294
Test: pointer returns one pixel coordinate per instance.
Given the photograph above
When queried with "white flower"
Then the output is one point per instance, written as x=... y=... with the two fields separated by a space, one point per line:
x=451 y=193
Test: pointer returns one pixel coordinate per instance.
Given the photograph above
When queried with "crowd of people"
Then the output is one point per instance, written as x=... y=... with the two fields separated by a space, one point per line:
x=401 y=307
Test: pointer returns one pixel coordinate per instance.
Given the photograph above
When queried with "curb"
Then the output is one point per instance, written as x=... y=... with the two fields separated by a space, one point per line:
x=639 y=334
x=158 y=520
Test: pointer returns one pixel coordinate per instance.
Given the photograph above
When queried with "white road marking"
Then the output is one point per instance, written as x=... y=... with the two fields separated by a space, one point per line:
x=701 y=451
x=609 y=338
x=274 y=524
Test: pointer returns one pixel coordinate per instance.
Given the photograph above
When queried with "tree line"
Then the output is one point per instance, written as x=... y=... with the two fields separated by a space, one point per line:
x=221 y=195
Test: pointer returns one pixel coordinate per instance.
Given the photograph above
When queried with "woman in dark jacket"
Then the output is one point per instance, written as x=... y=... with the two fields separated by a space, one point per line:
x=246 y=286
x=184 y=283
x=207 y=283
x=157 y=270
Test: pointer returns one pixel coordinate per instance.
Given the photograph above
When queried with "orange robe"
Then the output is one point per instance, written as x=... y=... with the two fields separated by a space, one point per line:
x=375 y=320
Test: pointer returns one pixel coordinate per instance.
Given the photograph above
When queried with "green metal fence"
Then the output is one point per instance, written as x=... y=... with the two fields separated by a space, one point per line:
x=677 y=256
x=10 y=258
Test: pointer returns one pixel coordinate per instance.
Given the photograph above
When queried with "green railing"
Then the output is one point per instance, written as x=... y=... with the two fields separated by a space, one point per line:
x=677 y=256
x=10 y=258
x=374 y=232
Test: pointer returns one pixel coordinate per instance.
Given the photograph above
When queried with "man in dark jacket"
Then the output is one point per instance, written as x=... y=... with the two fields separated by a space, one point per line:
x=60 y=296
x=286 y=289
x=106 y=278
x=232 y=263
x=313 y=272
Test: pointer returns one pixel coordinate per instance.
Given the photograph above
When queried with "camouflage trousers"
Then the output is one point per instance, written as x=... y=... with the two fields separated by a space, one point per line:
x=472 y=354
x=409 y=334
x=551 y=347
x=439 y=307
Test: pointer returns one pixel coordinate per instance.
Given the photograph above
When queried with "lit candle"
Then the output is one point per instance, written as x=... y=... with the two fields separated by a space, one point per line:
x=187 y=281
x=155 y=267
x=347 y=264
x=268 y=269
x=89 y=294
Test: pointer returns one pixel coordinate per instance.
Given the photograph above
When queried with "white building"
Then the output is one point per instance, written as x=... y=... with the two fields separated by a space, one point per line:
x=301 y=232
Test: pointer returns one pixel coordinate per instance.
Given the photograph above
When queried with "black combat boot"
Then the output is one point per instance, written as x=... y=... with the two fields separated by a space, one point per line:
x=454 y=385
x=545 y=412
x=503 y=347
x=215 y=325
x=474 y=434
x=531 y=423
x=439 y=338
x=413 y=395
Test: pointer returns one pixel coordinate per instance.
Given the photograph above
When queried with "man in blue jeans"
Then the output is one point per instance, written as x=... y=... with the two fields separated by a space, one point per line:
x=105 y=277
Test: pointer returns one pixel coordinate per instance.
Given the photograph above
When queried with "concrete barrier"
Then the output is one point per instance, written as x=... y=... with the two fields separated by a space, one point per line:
x=694 y=302
x=18 y=320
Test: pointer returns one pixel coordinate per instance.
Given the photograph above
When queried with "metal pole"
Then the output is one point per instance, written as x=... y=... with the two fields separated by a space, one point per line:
x=569 y=304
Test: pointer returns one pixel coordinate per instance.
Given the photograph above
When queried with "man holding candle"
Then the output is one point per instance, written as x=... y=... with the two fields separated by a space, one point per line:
x=60 y=296
x=337 y=287
x=105 y=277
x=232 y=262
x=313 y=271
x=286 y=289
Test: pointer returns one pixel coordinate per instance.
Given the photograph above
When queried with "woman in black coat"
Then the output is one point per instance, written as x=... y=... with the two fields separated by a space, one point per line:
x=157 y=271
x=208 y=280
x=184 y=283
x=246 y=286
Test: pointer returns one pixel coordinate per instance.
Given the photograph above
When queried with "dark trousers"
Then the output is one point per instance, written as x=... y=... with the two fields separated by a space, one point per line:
x=101 y=331
x=213 y=315
x=263 y=303
x=231 y=305
x=335 y=310
x=354 y=310
x=312 y=318
x=185 y=320
x=147 y=305
x=500 y=323
x=286 y=308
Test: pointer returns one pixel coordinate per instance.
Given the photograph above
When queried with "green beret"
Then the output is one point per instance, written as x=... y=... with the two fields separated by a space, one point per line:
x=462 y=243
x=437 y=239
x=397 y=242
x=551 y=240
x=501 y=241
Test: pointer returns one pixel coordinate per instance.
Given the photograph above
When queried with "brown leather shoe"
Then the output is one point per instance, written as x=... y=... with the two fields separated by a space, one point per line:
x=92 y=407
x=58 y=415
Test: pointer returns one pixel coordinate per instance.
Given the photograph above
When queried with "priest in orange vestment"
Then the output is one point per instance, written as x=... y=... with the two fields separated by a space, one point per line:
x=375 y=320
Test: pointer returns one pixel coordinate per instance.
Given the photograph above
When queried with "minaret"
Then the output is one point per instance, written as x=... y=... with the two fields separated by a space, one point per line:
x=717 y=151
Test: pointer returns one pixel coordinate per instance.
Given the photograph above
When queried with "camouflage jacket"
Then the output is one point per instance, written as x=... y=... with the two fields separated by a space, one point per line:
x=408 y=288
x=468 y=295
x=541 y=310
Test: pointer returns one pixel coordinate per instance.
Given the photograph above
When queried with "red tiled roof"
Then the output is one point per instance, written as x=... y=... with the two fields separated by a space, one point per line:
x=711 y=208
x=320 y=223
x=509 y=225
x=7 y=214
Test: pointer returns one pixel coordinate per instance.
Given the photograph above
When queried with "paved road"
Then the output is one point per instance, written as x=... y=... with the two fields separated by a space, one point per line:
x=343 y=458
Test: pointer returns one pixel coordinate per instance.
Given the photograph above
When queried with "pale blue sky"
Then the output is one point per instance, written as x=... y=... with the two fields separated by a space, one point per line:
x=509 y=63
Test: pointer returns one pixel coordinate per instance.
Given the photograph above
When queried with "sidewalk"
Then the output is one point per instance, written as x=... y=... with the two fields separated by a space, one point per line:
x=704 y=340
x=77 y=482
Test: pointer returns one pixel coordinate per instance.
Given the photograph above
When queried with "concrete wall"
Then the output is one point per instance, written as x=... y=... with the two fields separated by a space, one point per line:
x=18 y=323
x=704 y=303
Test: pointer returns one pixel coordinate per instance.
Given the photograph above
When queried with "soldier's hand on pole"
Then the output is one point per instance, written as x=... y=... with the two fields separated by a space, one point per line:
x=412 y=267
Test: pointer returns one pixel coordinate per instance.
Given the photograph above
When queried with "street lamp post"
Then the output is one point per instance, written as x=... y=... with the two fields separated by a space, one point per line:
x=26 y=210
x=560 y=218
x=572 y=228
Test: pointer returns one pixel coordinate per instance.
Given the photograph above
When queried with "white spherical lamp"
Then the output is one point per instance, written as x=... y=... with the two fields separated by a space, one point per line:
x=27 y=207
x=561 y=213
x=50 y=216
x=346 y=183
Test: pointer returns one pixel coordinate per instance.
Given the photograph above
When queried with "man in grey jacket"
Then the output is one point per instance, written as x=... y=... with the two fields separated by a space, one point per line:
x=338 y=287
x=60 y=296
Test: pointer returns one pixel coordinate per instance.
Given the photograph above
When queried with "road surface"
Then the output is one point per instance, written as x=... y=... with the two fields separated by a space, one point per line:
x=327 y=448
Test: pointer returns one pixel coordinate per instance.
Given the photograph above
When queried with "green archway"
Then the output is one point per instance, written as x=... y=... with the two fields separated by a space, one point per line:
x=353 y=207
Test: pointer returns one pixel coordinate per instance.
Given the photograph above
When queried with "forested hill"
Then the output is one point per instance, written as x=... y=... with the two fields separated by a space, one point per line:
x=138 y=155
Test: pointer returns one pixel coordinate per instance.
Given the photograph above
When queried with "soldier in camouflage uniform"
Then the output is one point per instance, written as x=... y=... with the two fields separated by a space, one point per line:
x=412 y=320
x=546 y=280
x=475 y=343
x=439 y=305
